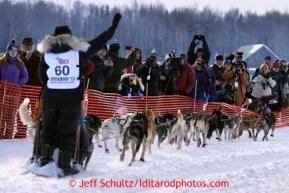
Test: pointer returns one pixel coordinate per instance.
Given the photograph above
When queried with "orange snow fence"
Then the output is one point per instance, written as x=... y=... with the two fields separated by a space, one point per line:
x=105 y=105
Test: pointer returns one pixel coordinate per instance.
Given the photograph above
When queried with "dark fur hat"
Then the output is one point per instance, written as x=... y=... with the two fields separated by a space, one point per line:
x=62 y=30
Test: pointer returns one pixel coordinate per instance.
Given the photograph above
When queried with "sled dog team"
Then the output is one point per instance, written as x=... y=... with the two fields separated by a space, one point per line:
x=141 y=128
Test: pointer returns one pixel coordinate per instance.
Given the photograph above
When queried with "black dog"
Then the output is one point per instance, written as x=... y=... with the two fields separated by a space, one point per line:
x=137 y=134
x=162 y=126
x=216 y=122
x=91 y=126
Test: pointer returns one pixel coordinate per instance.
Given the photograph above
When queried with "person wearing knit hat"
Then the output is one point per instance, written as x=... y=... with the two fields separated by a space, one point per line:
x=267 y=58
x=154 y=54
x=11 y=46
x=102 y=70
x=114 y=47
x=280 y=75
x=12 y=70
x=119 y=65
x=219 y=70
x=61 y=71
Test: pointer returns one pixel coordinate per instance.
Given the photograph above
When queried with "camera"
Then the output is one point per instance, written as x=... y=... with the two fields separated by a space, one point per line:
x=173 y=63
x=151 y=60
x=127 y=47
x=240 y=53
x=199 y=37
x=264 y=85
x=229 y=94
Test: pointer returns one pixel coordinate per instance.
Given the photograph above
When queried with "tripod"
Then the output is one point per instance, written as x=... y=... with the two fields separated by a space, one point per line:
x=175 y=91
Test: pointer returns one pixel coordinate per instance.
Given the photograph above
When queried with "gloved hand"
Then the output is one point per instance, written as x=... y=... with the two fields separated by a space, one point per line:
x=115 y=20
x=268 y=75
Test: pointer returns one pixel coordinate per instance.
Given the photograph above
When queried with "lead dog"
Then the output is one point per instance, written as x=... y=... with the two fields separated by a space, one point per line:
x=137 y=134
x=265 y=124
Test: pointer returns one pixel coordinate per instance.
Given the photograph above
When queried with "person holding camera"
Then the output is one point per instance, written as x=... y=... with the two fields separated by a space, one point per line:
x=237 y=77
x=267 y=61
x=119 y=64
x=205 y=82
x=203 y=52
x=279 y=73
x=185 y=79
x=102 y=70
x=138 y=61
x=150 y=73
x=263 y=83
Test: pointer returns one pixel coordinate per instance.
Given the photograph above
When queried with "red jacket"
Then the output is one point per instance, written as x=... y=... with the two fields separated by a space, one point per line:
x=186 y=78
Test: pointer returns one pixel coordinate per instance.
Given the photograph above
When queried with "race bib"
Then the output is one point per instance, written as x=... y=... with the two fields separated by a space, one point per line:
x=63 y=71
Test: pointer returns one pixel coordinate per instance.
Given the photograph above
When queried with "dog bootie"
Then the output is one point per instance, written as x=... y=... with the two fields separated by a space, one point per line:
x=64 y=159
x=47 y=153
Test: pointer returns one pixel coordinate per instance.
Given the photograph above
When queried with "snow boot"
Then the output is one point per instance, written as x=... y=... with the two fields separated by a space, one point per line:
x=46 y=154
x=64 y=159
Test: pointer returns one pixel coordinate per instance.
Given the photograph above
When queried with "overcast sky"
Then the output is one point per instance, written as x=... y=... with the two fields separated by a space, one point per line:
x=258 y=6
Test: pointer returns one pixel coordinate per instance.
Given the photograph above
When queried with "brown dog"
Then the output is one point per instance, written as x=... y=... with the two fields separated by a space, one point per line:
x=151 y=128
x=248 y=122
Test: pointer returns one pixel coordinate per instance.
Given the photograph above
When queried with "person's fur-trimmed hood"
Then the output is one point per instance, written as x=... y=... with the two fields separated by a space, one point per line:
x=124 y=76
x=50 y=42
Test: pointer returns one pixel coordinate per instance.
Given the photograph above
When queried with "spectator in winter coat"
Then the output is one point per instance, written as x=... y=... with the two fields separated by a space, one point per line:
x=130 y=85
x=150 y=73
x=138 y=62
x=203 y=52
x=60 y=70
x=267 y=61
x=279 y=73
x=237 y=77
x=262 y=83
x=219 y=70
x=119 y=64
x=185 y=80
x=102 y=70
x=13 y=70
x=31 y=59
x=205 y=81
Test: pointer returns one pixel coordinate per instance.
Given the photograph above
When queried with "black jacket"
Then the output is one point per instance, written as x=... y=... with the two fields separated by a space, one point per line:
x=143 y=72
x=100 y=73
x=63 y=43
x=192 y=56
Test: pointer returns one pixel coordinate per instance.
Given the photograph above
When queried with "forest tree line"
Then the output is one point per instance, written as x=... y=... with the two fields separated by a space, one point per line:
x=149 y=27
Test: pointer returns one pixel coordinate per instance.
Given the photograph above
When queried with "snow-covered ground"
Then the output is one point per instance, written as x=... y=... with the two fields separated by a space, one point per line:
x=242 y=166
